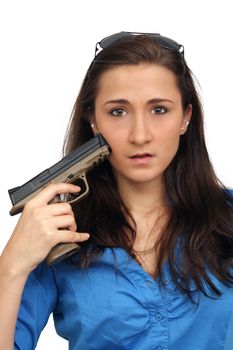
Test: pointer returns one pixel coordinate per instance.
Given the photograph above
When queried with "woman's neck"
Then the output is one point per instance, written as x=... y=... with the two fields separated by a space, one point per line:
x=146 y=203
x=143 y=199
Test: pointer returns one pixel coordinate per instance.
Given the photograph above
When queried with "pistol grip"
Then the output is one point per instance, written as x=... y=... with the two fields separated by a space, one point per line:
x=60 y=252
x=63 y=250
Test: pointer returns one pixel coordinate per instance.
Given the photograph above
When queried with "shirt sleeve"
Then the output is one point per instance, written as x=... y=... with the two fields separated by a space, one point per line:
x=38 y=302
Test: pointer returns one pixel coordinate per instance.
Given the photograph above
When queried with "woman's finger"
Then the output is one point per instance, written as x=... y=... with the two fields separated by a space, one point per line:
x=64 y=221
x=49 y=193
x=66 y=236
x=59 y=209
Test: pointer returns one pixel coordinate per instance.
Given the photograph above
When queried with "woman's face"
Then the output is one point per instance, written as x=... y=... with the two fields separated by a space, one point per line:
x=139 y=112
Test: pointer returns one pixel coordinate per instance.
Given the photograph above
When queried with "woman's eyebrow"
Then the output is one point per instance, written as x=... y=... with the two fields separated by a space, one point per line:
x=159 y=100
x=151 y=101
x=120 y=100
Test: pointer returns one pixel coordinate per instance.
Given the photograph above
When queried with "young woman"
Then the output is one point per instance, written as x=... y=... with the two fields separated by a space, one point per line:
x=154 y=270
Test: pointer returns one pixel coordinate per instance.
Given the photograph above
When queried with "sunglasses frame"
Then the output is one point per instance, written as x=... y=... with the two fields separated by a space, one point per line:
x=164 y=42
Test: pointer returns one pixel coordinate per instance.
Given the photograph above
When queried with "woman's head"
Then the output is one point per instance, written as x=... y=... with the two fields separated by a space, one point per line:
x=163 y=55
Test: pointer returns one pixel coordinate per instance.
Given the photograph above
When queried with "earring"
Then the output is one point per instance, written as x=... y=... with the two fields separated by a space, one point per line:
x=94 y=129
x=184 y=128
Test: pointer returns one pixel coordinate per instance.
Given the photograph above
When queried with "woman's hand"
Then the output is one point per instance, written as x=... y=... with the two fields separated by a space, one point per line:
x=40 y=227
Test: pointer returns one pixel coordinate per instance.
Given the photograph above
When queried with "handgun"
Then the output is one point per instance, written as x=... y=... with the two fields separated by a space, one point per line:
x=70 y=169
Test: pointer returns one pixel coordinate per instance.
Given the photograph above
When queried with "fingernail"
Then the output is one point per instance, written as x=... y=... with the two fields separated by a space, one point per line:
x=85 y=235
x=78 y=190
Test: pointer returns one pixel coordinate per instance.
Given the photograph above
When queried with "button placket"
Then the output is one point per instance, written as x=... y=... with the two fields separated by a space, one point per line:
x=154 y=302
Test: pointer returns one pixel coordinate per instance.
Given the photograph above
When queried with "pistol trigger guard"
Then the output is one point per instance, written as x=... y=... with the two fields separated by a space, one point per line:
x=83 y=194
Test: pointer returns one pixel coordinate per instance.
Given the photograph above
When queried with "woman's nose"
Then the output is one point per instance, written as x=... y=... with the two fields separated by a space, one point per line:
x=140 y=130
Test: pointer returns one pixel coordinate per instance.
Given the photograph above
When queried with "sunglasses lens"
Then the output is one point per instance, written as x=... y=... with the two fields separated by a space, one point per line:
x=112 y=39
x=166 y=42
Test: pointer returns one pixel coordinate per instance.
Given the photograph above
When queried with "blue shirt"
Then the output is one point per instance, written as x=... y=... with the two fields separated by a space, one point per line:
x=103 y=310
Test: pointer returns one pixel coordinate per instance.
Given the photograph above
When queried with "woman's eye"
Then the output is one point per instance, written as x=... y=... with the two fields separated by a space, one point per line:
x=159 y=110
x=117 y=112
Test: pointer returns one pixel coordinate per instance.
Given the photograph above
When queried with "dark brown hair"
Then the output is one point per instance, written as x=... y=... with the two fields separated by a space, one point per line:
x=201 y=219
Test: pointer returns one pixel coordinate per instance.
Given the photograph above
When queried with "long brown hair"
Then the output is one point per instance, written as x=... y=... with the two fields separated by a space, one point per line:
x=201 y=219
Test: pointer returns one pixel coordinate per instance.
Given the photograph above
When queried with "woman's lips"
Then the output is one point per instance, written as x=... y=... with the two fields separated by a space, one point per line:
x=141 y=158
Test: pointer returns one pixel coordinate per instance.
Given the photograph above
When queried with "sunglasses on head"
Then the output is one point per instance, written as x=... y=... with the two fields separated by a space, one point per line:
x=163 y=41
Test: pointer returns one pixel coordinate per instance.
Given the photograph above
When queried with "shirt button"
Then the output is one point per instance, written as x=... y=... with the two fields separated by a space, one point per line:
x=149 y=283
x=166 y=281
x=158 y=317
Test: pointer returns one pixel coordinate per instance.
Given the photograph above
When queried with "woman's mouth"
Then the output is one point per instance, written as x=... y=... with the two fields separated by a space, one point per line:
x=141 y=158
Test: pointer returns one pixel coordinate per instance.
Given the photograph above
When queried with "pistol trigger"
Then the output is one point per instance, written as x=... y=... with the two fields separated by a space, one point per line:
x=84 y=189
x=57 y=199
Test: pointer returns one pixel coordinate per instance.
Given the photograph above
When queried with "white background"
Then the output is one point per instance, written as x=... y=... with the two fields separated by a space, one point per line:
x=46 y=47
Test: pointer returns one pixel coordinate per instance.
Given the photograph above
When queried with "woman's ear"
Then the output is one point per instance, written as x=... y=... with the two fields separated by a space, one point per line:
x=186 y=119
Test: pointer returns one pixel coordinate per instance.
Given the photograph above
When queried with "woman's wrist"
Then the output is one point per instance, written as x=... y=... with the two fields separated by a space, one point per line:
x=10 y=270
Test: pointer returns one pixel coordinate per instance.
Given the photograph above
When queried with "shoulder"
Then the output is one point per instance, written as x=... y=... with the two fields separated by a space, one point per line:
x=41 y=279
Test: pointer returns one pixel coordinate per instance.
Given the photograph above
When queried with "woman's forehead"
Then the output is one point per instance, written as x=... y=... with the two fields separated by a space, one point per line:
x=134 y=81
